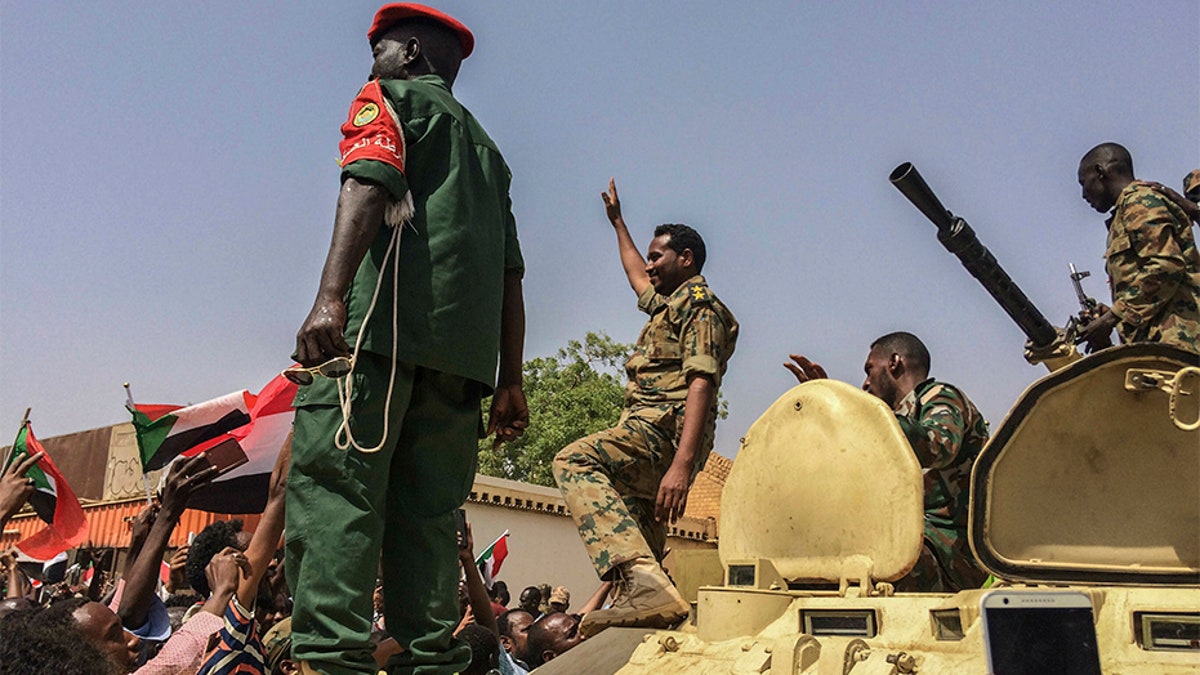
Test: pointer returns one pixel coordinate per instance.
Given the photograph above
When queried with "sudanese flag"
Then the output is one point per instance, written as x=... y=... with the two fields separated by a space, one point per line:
x=53 y=500
x=492 y=557
x=165 y=431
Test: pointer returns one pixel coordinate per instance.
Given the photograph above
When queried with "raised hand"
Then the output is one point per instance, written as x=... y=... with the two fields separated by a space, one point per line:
x=612 y=203
x=185 y=476
x=178 y=576
x=803 y=369
x=15 y=488
x=466 y=552
x=224 y=571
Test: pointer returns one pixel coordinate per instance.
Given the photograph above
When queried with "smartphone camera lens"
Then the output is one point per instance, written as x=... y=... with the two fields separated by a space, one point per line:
x=1006 y=601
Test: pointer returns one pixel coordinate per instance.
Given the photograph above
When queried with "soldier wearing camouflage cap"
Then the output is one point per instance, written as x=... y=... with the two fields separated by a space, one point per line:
x=1191 y=194
x=623 y=485
x=1191 y=185
x=1151 y=257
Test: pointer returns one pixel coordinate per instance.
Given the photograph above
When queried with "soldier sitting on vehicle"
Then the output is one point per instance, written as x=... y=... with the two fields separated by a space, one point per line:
x=946 y=432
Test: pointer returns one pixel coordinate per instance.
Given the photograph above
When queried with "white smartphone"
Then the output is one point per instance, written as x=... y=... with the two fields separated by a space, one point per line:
x=1028 y=632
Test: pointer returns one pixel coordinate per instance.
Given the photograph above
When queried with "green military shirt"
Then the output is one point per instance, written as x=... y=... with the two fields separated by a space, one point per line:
x=1153 y=269
x=690 y=332
x=946 y=432
x=455 y=251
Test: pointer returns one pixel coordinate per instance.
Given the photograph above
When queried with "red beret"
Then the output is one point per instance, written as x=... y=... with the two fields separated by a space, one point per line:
x=398 y=11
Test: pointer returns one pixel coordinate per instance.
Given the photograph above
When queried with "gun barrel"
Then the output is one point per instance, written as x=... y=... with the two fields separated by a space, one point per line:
x=958 y=238
x=909 y=182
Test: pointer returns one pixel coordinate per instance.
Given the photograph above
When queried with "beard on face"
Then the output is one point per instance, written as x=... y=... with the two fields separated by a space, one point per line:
x=389 y=64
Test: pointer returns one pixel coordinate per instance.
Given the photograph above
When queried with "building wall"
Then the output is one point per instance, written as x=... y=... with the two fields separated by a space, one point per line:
x=544 y=545
x=100 y=464
x=123 y=477
x=704 y=499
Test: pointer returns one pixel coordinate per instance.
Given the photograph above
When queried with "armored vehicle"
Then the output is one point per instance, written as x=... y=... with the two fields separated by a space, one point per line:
x=1091 y=483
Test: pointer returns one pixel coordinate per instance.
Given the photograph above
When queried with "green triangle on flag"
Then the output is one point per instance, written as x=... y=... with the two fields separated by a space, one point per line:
x=53 y=500
x=491 y=558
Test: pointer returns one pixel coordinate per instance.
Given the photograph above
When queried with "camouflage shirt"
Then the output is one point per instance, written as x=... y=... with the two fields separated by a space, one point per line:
x=946 y=432
x=1153 y=269
x=690 y=332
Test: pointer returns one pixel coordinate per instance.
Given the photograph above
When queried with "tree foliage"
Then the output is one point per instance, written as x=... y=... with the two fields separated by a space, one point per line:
x=576 y=392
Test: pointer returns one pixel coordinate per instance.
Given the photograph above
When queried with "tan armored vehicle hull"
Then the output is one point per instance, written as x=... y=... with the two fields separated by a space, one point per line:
x=1092 y=482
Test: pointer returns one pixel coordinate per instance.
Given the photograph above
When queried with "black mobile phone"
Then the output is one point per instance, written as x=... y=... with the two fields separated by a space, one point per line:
x=460 y=527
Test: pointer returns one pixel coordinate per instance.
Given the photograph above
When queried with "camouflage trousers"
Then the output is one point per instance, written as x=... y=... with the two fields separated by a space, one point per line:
x=945 y=566
x=610 y=482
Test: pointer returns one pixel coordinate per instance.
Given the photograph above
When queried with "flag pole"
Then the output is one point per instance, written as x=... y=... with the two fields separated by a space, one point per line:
x=145 y=477
x=8 y=455
x=493 y=544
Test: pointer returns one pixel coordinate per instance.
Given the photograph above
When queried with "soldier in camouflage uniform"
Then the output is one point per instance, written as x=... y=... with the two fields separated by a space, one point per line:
x=625 y=484
x=946 y=433
x=1191 y=195
x=1151 y=257
x=1191 y=185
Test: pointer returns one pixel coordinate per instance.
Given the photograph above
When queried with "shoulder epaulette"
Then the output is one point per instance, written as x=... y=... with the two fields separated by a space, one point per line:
x=698 y=293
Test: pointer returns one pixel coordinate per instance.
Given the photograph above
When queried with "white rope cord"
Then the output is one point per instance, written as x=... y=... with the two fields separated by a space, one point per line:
x=344 y=439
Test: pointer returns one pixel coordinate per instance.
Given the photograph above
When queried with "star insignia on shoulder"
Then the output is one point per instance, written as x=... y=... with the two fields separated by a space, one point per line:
x=698 y=292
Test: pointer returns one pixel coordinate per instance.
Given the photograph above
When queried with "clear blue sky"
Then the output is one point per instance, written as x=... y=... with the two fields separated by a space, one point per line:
x=168 y=175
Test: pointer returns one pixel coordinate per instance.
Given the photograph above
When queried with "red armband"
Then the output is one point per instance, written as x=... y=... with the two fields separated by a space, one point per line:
x=372 y=130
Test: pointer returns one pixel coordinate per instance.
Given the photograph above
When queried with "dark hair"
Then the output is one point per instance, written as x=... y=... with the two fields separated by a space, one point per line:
x=485 y=648
x=11 y=605
x=504 y=623
x=683 y=237
x=39 y=640
x=499 y=593
x=1112 y=155
x=181 y=600
x=530 y=592
x=211 y=541
x=67 y=606
x=915 y=354
x=541 y=638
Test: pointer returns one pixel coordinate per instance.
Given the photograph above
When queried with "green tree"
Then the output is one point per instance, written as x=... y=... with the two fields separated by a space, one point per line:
x=576 y=392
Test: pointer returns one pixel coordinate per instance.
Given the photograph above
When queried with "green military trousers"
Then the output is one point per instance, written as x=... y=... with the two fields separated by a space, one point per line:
x=345 y=508
x=946 y=564
x=610 y=482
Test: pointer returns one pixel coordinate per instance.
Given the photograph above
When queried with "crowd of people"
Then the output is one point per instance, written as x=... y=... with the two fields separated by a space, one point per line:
x=225 y=606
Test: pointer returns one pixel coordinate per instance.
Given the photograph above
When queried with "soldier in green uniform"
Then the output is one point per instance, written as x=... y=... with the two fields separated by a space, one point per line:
x=625 y=484
x=423 y=278
x=1151 y=257
x=946 y=433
